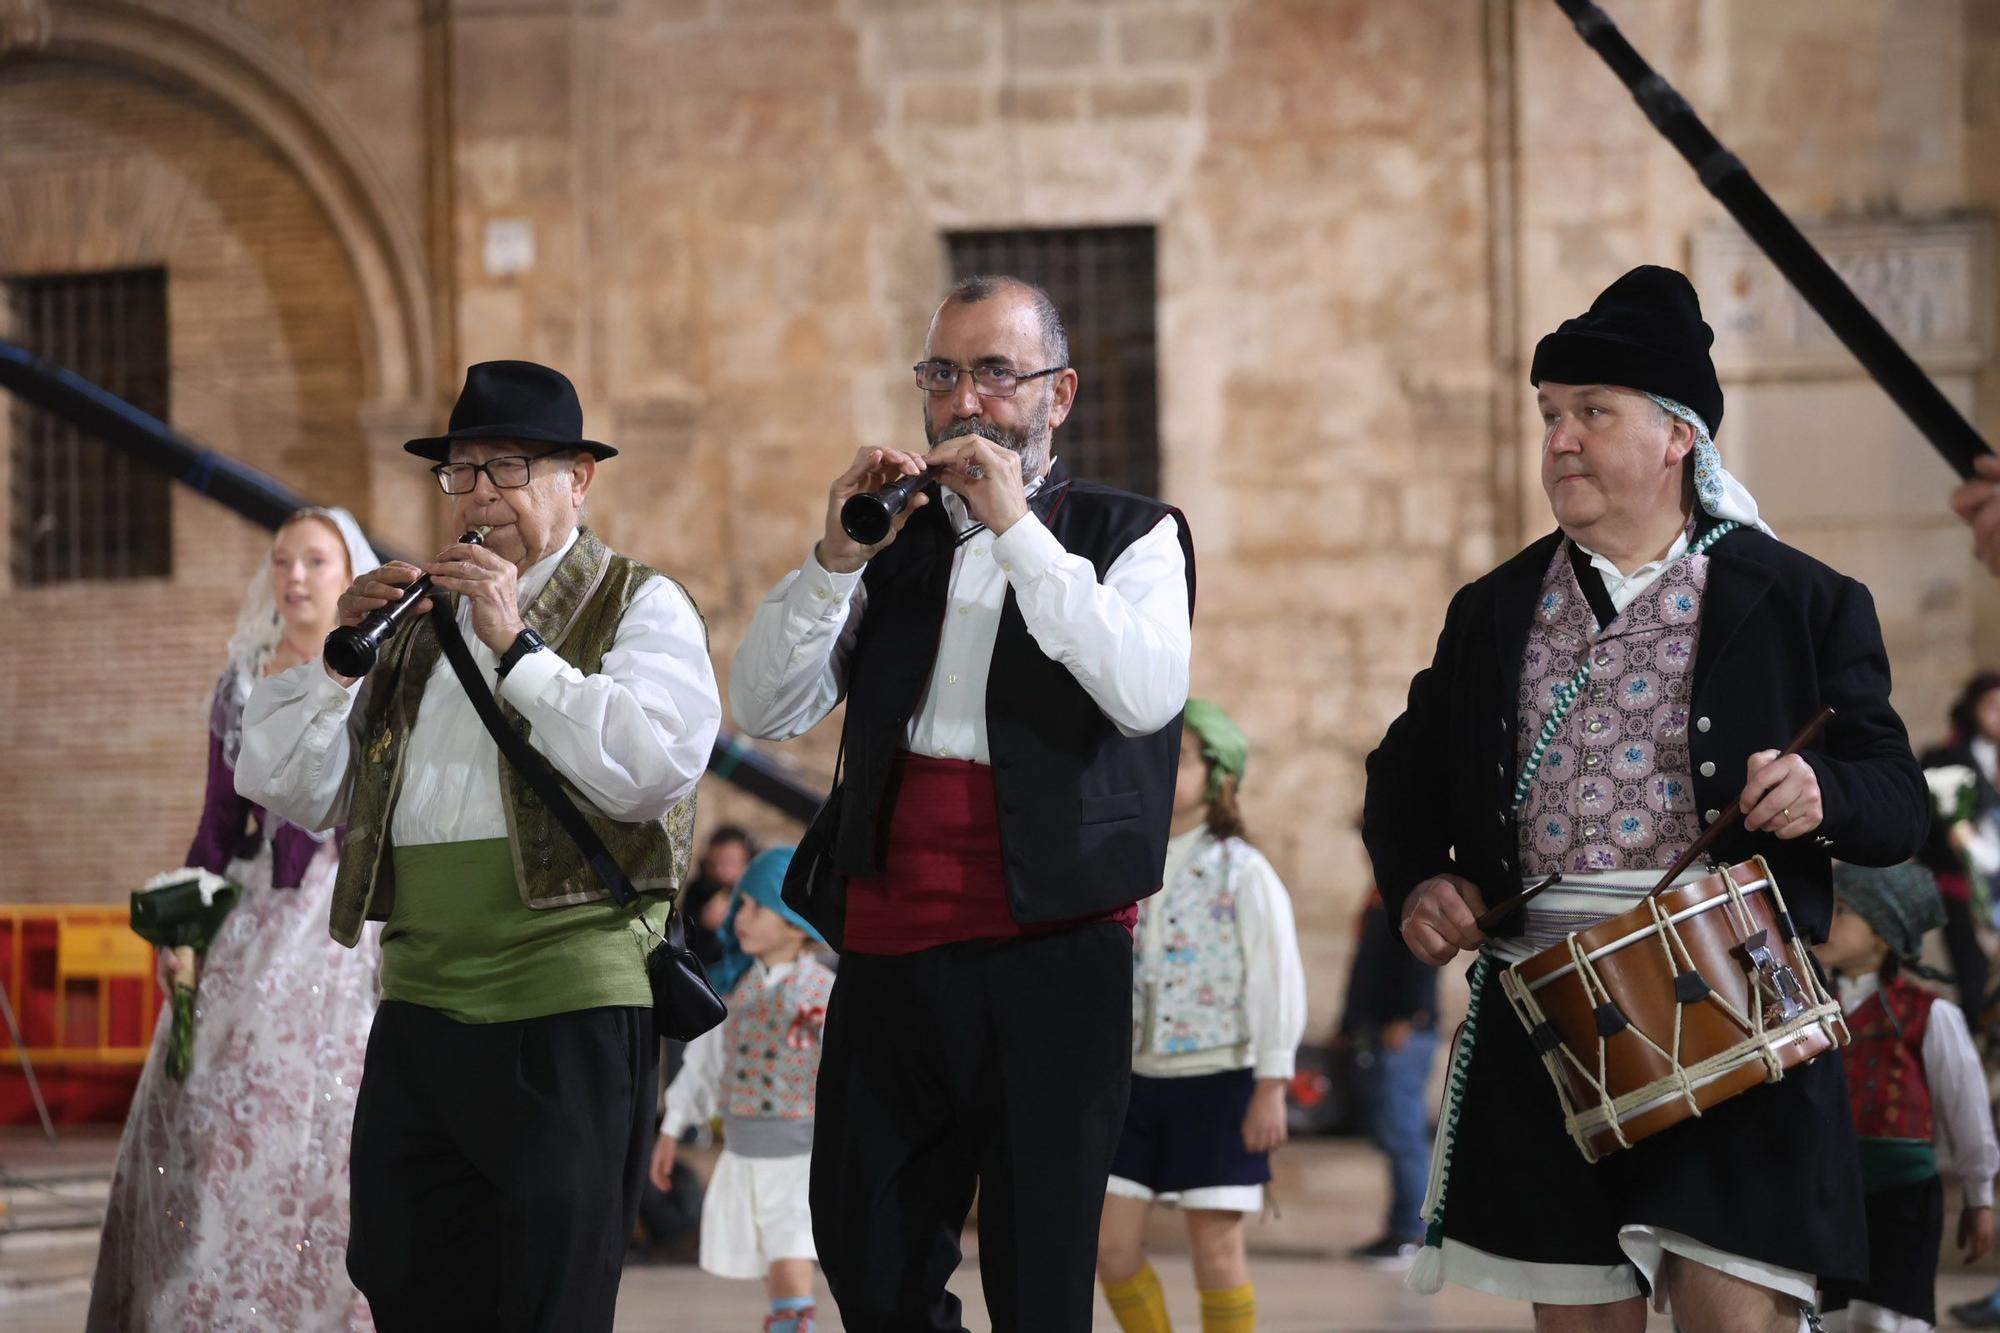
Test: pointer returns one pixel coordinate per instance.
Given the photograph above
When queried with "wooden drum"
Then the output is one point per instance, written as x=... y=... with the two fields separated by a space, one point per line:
x=1686 y=1000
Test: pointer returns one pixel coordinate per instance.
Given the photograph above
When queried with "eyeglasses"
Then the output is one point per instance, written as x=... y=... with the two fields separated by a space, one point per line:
x=509 y=472
x=990 y=381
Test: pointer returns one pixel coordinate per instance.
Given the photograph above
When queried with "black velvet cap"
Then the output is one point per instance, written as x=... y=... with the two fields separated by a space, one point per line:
x=1645 y=332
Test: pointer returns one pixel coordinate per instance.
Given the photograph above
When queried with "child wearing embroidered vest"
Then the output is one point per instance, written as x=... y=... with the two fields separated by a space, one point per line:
x=757 y=1073
x=1219 y=1005
x=1912 y=1072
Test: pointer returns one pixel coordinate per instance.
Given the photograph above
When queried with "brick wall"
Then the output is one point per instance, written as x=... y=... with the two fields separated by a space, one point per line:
x=104 y=687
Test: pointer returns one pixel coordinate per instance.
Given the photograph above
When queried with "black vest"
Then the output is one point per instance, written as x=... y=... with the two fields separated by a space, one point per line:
x=1084 y=809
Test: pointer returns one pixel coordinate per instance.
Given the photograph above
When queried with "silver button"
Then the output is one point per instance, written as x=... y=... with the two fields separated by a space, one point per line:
x=1500 y=770
x=1711 y=816
x=1701 y=724
x=1708 y=770
x=1603 y=660
x=1503 y=817
x=1590 y=830
x=1592 y=760
x=1503 y=726
x=1596 y=727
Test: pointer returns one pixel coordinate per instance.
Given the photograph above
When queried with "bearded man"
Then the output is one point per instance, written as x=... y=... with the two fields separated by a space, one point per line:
x=1014 y=657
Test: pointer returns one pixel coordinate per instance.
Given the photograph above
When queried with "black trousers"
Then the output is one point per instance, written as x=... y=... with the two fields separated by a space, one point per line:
x=997 y=1064
x=1905 y=1233
x=496 y=1168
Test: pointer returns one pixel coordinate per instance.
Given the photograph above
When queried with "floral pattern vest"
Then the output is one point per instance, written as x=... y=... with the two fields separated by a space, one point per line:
x=1189 y=996
x=1615 y=789
x=772 y=1037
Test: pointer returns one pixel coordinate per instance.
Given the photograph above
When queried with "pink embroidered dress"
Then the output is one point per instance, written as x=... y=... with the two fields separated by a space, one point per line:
x=228 y=1205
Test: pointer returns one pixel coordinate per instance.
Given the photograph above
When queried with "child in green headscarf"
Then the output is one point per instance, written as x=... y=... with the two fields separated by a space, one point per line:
x=1913 y=1076
x=1218 y=1010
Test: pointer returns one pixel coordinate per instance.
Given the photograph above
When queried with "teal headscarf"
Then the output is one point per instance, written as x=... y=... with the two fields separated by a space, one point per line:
x=1901 y=903
x=1223 y=743
x=763 y=883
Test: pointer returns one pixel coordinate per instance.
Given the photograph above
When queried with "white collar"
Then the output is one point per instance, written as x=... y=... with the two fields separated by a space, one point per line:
x=771 y=976
x=1616 y=576
x=1854 y=991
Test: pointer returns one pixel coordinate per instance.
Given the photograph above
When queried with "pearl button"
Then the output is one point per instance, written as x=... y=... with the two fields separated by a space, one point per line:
x=1596 y=727
x=944 y=752
x=1007 y=565
x=1708 y=770
x=1592 y=760
x=1500 y=770
x=1701 y=724
x=951 y=679
x=979 y=550
x=963 y=608
x=819 y=594
x=1711 y=816
x=1590 y=830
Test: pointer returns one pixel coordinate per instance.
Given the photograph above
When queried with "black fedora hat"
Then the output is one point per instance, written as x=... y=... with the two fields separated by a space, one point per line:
x=513 y=400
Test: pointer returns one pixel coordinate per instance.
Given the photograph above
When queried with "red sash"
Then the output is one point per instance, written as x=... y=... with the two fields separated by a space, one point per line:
x=944 y=877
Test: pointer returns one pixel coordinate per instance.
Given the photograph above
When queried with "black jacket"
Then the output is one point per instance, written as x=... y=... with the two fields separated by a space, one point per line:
x=1781 y=636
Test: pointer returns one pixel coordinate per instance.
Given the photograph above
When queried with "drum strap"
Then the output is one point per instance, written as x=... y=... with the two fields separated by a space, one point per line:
x=1427 y=1276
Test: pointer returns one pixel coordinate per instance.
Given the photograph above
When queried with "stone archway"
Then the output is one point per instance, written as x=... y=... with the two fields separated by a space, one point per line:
x=206 y=54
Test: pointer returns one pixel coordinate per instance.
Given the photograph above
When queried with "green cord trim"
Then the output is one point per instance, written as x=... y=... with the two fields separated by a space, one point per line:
x=1566 y=696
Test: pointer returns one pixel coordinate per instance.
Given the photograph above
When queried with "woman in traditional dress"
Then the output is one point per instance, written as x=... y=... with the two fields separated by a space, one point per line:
x=228 y=1208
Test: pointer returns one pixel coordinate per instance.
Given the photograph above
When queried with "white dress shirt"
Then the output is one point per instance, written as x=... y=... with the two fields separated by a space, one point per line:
x=1959 y=1107
x=1623 y=588
x=1274 y=977
x=1125 y=640
x=634 y=738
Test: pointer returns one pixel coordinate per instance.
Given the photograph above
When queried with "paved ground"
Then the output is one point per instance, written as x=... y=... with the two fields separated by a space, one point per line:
x=1329 y=1196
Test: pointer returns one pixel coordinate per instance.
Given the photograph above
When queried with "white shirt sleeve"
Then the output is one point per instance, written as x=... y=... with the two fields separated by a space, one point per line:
x=298 y=743
x=1126 y=640
x=695 y=1095
x=791 y=670
x=1274 y=982
x=1959 y=1102
x=635 y=737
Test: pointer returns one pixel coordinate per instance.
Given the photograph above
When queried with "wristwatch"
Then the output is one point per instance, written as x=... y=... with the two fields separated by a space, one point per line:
x=527 y=641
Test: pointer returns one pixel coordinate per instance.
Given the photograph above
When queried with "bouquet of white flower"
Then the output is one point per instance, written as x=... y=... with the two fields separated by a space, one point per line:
x=181 y=911
x=1955 y=795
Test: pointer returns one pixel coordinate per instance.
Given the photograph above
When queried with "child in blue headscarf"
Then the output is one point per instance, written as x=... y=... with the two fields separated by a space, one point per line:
x=757 y=1073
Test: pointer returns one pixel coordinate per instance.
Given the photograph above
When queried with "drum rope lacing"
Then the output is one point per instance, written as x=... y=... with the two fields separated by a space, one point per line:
x=1428 y=1274
x=1611 y=1112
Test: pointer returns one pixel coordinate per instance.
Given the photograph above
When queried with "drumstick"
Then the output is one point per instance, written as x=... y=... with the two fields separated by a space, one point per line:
x=1506 y=907
x=1806 y=736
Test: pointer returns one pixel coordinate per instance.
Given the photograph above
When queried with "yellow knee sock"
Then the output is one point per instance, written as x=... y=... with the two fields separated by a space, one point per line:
x=1138 y=1303
x=1231 y=1310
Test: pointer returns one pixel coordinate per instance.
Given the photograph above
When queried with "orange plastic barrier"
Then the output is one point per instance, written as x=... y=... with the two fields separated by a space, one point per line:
x=83 y=991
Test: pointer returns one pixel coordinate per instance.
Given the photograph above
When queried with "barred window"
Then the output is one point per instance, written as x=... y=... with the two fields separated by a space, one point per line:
x=82 y=509
x=1103 y=281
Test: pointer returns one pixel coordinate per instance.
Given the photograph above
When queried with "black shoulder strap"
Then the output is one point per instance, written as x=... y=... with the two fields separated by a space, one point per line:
x=535 y=769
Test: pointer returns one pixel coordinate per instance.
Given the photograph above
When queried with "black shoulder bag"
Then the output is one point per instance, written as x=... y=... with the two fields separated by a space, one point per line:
x=684 y=1004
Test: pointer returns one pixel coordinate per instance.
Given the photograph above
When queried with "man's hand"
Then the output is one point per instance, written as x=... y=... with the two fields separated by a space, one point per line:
x=486 y=580
x=871 y=470
x=371 y=592
x=1781 y=796
x=1975 y=1233
x=1978 y=503
x=1441 y=918
x=1264 y=1123
x=987 y=476
x=661 y=1173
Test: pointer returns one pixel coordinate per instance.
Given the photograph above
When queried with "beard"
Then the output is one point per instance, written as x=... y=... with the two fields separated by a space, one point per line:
x=1030 y=443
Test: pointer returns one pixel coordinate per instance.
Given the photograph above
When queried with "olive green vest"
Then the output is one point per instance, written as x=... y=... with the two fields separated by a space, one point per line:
x=577 y=614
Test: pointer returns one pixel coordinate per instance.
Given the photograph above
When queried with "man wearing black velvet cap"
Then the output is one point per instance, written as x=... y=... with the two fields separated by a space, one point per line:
x=1594 y=705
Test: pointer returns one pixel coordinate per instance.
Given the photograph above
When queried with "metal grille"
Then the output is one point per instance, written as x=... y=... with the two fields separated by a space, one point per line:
x=1103 y=281
x=81 y=509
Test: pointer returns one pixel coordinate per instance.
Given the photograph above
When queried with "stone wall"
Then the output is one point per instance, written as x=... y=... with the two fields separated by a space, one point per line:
x=723 y=218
